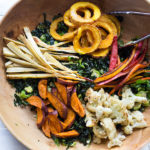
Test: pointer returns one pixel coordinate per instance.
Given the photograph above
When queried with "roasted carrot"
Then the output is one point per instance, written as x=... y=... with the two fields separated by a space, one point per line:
x=116 y=71
x=127 y=78
x=121 y=74
x=67 y=134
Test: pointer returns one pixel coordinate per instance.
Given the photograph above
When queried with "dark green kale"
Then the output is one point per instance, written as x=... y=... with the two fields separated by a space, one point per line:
x=24 y=89
x=86 y=64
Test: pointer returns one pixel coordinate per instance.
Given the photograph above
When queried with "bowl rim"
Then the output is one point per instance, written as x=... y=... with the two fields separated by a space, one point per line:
x=2 y=118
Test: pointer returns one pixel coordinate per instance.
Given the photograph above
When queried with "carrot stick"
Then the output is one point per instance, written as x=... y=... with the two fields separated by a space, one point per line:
x=117 y=71
x=119 y=61
x=146 y=78
x=139 y=60
x=127 y=78
x=114 y=54
x=112 y=79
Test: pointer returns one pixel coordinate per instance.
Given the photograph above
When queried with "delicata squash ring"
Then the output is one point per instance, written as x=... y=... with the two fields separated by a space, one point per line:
x=109 y=38
x=67 y=19
x=100 y=53
x=115 y=21
x=55 y=35
x=96 y=39
x=77 y=19
x=104 y=18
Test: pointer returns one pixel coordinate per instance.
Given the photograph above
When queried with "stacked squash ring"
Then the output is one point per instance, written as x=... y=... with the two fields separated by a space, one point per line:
x=90 y=32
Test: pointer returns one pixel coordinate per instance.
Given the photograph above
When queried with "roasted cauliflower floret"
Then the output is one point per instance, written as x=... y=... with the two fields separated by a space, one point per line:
x=90 y=119
x=99 y=132
x=96 y=140
x=117 y=141
x=104 y=112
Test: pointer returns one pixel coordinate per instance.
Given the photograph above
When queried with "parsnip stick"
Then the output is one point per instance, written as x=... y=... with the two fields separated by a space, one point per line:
x=8 y=63
x=32 y=46
x=7 y=52
x=51 y=59
x=14 y=41
x=20 y=70
x=44 y=75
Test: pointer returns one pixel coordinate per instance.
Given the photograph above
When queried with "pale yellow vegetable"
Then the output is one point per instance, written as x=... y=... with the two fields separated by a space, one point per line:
x=14 y=41
x=21 y=69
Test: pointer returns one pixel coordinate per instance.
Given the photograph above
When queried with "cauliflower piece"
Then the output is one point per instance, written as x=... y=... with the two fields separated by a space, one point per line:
x=117 y=141
x=138 y=120
x=99 y=132
x=90 y=119
x=128 y=129
x=110 y=111
x=119 y=112
x=102 y=112
x=109 y=127
x=96 y=140
x=129 y=99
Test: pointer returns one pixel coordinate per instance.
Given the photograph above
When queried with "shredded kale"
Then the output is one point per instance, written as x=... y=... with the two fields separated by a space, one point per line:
x=21 y=93
x=86 y=64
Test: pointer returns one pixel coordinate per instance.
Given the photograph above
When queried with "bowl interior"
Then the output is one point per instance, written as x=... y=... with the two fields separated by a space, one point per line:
x=21 y=122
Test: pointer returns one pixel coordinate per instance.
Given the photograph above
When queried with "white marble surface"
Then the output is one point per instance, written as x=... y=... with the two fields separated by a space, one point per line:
x=7 y=141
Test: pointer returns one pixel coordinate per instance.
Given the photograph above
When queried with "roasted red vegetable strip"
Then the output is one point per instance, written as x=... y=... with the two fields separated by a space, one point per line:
x=121 y=74
x=138 y=51
x=139 y=72
x=127 y=78
x=114 y=54
x=66 y=82
x=146 y=78
x=42 y=88
x=139 y=60
x=119 y=61
x=40 y=117
x=116 y=71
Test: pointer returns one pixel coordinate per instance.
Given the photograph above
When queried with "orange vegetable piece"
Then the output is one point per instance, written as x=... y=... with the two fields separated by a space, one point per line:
x=105 y=43
x=55 y=124
x=120 y=68
x=66 y=82
x=67 y=134
x=58 y=105
x=40 y=117
x=96 y=39
x=46 y=128
x=128 y=77
x=70 y=118
x=35 y=101
x=84 y=5
x=76 y=104
x=42 y=87
x=62 y=91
